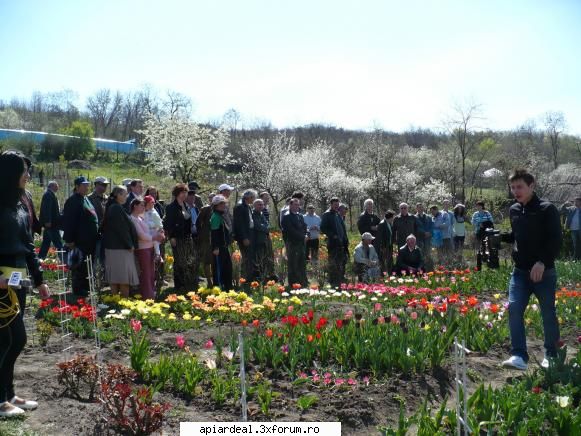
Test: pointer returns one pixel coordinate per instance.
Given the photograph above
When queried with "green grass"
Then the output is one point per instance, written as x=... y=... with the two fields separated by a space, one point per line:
x=15 y=427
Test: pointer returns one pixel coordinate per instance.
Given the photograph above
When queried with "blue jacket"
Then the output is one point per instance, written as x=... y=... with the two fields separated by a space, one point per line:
x=425 y=224
x=570 y=215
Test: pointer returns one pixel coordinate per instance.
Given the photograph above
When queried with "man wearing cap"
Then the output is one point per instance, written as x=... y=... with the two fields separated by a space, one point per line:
x=194 y=187
x=98 y=197
x=81 y=229
x=409 y=258
x=50 y=219
x=225 y=190
x=244 y=233
x=365 y=259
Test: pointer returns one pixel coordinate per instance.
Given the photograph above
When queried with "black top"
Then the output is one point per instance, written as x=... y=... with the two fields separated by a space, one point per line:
x=175 y=223
x=384 y=237
x=403 y=226
x=242 y=220
x=118 y=230
x=16 y=243
x=407 y=258
x=333 y=226
x=366 y=221
x=49 y=210
x=80 y=223
x=294 y=228
x=260 y=228
x=536 y=233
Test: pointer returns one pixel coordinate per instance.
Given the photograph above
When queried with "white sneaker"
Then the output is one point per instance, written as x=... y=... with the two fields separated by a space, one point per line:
x=8 y=410
x=515 y=362
x=23 y=404
x=545 y=363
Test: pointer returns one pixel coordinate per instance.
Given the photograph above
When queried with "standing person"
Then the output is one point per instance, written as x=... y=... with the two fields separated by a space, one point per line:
x=50 y=219
x=263 y=261
x=265 y=197
x=299 y=196
x=333 y=226
x=424 y=236
x=459 y=228
x=193 y=188
x=313 y=222
x=439 y=220
x=294 y=233
x=159 y=206
x=177 y=224
x=385 y=242
x=191 y=201
x=536 y=236
x=154 y=223
x=368 y=221
x=343 y=209
x=404 y=225
x=244 y=233
x=573 y=223
x=81 y=230
x=119 y=242
x=447 y=231
x=365 y=259
x=16 y=255
x=481 y=216
x=144 y=253
x=99 y=200
x=135 y=191
x=203 y=226
x=220 y=240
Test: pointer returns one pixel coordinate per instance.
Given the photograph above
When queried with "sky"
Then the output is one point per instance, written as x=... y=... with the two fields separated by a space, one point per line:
x=354 y=64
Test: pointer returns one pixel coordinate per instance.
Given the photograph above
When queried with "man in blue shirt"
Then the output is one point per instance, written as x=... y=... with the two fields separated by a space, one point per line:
x=573 y=223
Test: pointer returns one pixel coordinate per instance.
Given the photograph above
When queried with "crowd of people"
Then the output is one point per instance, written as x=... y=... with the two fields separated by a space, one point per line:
x=126 y=232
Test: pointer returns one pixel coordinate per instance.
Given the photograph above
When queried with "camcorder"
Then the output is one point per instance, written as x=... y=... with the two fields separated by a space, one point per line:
x=489 y=247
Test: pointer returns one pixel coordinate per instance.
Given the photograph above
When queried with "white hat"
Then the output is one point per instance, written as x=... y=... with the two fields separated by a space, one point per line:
x=102 y=180
x=126 y=182
x=217 y=199
x=225 y=187
x=367 y=236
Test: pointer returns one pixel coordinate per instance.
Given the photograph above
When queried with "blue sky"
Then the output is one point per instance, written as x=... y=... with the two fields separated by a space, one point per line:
x=353 y=64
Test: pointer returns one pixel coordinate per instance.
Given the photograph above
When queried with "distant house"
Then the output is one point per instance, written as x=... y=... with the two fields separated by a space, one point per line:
x=100 y=144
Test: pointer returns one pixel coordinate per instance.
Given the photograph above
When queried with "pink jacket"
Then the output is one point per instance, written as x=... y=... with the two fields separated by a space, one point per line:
x=145 y=239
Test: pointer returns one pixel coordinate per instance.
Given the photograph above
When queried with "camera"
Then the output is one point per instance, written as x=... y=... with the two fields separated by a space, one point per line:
x=489 y=247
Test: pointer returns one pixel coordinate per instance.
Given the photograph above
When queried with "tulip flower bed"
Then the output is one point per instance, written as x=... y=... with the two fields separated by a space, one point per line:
x=376 y=357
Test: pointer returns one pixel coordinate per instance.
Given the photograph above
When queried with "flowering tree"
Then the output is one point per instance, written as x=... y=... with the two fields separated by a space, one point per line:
x=180 y=147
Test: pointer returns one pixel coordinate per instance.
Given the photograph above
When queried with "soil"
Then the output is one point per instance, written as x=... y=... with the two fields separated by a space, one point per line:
x=360 y=409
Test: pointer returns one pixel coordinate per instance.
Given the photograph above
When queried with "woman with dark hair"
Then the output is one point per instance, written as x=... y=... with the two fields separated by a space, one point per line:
x=158 y=206
x=119 y=240
x=144 y=254
x=178 y=228
x=16 y=256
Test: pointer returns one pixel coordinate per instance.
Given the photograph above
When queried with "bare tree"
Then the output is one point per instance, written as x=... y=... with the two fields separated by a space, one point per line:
x=104 y=108
x=177 y=105
x=461 y=124
x=555 y=124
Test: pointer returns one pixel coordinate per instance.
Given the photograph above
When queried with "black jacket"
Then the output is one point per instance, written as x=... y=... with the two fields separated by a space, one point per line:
x=403 y=226
x=536 y=233
x=16 y=243
x=174 y=223
x=118 y=230
x=80 y=223
x=384 y=241
x=242 y=219
x=366 y=221
x=260 y=228
x=99 y=203
x=49 y=210
x=409 y=259
x=294 y=228
x=333 y=226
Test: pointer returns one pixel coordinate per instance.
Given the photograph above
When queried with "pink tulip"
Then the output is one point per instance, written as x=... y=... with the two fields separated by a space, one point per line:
x=180 y=341
x=136 y=325
x=414 y=315
x=209 y=344
x=377 y=307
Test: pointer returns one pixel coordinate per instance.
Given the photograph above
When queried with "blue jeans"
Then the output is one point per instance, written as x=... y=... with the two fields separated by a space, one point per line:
x=50 y=236
x=520 y=289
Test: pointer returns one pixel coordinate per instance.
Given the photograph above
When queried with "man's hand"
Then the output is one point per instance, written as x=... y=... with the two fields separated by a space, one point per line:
x=71 y=245
x=47 y=225
x=216 y=252
x=537 y=272
x=3 y=283
x=173 y=242
x=246 y=242
x=374 y=228
x=43 y=291
x=427 y=235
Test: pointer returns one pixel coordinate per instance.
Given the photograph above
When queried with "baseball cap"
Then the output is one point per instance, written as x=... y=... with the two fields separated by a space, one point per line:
x=81 y=180
x=126 y=182
x=193 y=186
x=217 y=199
x=102 y=180
x=367 y=236
x=225 y=187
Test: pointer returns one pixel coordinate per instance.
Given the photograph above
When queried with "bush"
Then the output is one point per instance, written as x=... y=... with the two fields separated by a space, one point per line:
x=52 y=147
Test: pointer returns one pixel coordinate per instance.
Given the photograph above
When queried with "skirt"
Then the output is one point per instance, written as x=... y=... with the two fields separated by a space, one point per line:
x=120 y=267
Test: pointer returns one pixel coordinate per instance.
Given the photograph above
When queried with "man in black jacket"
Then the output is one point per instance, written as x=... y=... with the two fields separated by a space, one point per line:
x=263 y=261
x=368 y=221
x=404 y=224
x=409 y=257
x=294 y=233
x=50 y=219
x=536 y=237
x=244 y=233
x=384 y=244
x=81 y=227
x=333 y=226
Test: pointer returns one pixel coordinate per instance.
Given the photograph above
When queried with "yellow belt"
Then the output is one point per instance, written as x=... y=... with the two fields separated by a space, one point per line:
x=9 y=311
